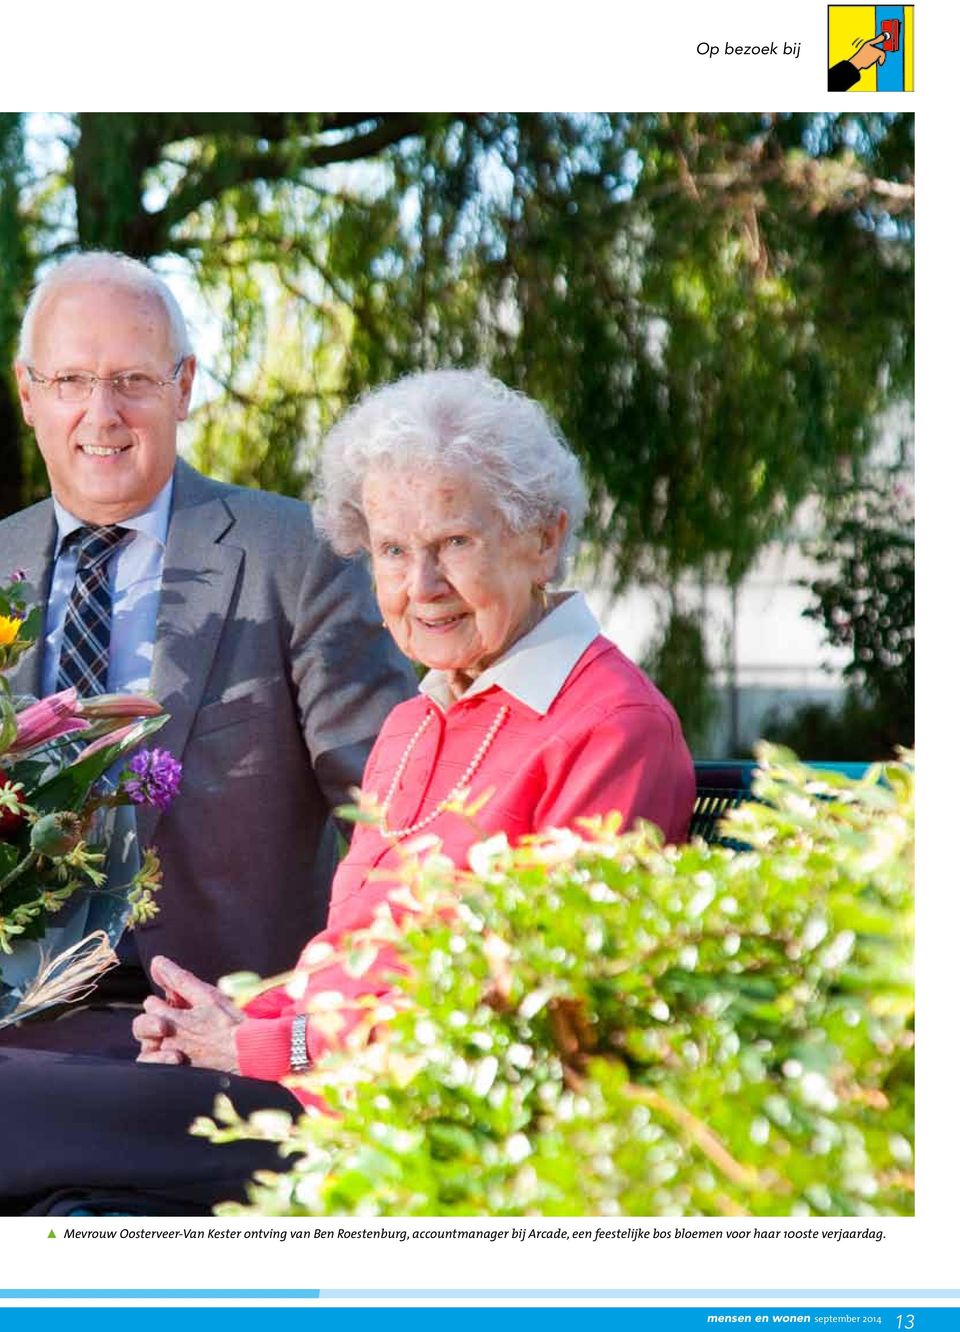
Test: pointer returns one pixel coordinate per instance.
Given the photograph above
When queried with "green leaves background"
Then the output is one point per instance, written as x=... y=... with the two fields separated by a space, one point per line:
x=617 y=1028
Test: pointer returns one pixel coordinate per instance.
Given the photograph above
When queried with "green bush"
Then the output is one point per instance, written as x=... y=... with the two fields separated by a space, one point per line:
x=678 y=664
x=612 y=1027
x=856 y=731
x=864 y=601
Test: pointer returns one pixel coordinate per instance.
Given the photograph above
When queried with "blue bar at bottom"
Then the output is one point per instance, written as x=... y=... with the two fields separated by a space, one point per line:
x=905 y=1318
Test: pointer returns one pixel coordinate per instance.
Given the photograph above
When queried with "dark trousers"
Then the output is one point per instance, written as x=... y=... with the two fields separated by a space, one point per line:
x=83 y=1133
x=105 y=1030
x=99 y=1025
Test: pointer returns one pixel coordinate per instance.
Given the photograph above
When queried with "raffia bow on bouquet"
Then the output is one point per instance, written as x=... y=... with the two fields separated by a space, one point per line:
x=58 y=918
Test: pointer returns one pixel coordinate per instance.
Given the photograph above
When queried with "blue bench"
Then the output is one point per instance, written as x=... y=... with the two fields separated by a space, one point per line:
x=722 y=785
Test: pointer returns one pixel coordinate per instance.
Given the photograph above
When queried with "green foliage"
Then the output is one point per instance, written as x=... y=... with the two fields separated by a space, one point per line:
x=852 y=732
x=52 y=803
x=20 y=623
x=14 y=276
x=715 y=307
x=13 y=265
x=69 y=788
x=612 y=1027
x=679 y=666
x=864 y=602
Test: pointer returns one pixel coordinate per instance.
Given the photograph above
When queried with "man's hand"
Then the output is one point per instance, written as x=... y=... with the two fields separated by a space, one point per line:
x=193 y=1024
x=867 y=56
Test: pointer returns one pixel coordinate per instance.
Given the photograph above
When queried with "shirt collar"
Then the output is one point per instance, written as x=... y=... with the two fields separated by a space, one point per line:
x=152 y=522
x=535 y=668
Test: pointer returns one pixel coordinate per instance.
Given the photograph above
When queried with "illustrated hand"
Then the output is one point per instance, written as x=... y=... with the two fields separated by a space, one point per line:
x=867 y=56
x=193 y=1024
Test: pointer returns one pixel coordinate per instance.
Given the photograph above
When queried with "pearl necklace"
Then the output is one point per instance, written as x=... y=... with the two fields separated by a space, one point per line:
x=458 y=787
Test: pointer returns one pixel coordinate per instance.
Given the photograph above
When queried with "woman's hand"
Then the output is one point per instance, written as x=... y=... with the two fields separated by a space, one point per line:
x=193 y=1024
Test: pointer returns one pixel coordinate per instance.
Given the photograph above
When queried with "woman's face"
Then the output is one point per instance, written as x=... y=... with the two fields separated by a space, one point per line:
x=454 y=585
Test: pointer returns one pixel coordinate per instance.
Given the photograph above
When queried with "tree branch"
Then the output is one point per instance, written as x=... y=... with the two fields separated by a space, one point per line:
x=825 y=184
x=744 y=1177
x=286 y=160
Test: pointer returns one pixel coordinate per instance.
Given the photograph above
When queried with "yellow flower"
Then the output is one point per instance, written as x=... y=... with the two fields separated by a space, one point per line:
x=9 y=629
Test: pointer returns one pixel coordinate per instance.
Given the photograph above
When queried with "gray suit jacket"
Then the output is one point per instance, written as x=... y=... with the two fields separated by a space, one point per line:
x=272 y=662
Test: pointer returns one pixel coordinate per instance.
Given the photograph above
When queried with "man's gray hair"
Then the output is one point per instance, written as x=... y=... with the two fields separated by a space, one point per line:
x=459 y=421
x=116 y=270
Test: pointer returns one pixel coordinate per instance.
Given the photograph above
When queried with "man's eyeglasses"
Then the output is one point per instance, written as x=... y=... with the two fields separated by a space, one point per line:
x=130 y=386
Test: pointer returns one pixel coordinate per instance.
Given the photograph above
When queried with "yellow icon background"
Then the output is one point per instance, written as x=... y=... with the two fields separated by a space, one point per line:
x=847 y=23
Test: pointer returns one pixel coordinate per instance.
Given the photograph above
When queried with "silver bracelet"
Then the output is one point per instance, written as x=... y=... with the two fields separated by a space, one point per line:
x=300 y=1059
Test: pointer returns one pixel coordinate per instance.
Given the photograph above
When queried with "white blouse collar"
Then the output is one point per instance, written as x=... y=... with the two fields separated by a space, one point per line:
x=535 y=668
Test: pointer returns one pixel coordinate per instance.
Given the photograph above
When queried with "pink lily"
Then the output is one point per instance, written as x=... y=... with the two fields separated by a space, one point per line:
x=39 y=722
x=118 y=705
x=112 y=738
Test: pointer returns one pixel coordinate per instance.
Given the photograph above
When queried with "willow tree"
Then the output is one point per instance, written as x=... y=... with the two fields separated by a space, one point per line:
x=14 y=274
x=716 y=307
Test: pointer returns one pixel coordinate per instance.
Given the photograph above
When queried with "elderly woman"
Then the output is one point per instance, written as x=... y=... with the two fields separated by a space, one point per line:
x=465 y=498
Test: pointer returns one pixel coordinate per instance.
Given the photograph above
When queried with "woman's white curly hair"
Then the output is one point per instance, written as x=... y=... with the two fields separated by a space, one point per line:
x=459 y=421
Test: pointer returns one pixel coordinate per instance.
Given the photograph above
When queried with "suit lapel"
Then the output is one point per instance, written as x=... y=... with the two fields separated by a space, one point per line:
x=199 y=574
x=35 y=538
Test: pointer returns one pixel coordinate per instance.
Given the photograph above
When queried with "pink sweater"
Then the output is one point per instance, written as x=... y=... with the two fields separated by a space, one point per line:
x=609 y=741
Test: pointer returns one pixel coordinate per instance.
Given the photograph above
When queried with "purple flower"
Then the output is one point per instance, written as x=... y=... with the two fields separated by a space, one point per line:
x=155 y=778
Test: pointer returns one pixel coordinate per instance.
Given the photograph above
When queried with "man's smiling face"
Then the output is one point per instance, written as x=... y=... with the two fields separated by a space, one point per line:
x=107 y=458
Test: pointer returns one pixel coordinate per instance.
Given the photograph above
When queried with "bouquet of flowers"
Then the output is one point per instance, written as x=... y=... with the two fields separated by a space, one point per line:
x=59 y=796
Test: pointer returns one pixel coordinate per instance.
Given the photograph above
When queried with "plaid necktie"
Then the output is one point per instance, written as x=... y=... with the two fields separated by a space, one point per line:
x=85 y=649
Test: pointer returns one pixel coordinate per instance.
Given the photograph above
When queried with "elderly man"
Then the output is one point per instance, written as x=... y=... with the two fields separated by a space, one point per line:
x=265 y=648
